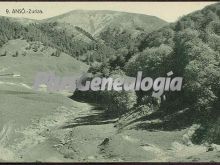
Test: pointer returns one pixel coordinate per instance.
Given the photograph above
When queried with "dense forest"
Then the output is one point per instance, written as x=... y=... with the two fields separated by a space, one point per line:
x=106 y=45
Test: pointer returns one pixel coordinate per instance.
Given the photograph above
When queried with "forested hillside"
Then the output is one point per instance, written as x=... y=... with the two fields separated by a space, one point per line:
x=191 y=49
x=72 y=32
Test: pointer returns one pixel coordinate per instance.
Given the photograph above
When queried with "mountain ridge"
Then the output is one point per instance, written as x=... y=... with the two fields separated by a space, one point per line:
x=95 y=21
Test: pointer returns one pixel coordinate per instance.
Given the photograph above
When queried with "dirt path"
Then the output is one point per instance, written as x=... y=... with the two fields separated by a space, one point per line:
x=45 y=138
x=79 y=132
x=85 y=134
x=45 y=125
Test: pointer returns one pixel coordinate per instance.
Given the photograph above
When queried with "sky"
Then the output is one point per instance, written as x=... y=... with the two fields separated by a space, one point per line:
x=168 y=11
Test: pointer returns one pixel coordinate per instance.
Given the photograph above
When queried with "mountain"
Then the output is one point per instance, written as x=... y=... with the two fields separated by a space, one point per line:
x=102 y=28
x=88 y=36
x=95 y=22
x=23 y=21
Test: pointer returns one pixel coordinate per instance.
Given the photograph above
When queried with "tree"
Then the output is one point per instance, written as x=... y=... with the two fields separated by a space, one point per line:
x=57 y=53
x=152 y=62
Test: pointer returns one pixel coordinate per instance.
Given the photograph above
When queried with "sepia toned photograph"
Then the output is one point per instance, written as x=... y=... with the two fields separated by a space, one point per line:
x=109 y=81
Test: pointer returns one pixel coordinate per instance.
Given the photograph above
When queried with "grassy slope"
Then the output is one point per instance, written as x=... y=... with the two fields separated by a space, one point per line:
x=15 y=95
x=20 y=105
x=34 y=62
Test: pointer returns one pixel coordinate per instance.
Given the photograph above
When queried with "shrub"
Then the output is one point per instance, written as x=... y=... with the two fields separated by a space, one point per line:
x=16 y=54
x=208 y=133
x=4 y=54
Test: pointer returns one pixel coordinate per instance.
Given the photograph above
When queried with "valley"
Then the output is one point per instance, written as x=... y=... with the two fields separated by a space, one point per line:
x=111 y=126
x=50 y=127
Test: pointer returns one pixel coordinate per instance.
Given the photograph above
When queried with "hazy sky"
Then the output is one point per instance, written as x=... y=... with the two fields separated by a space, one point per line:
x=169 y=11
